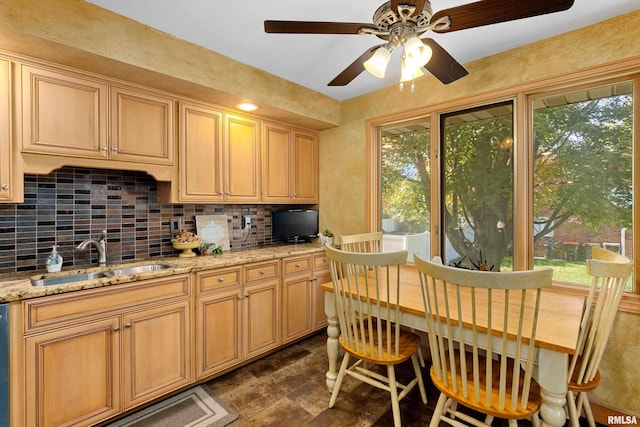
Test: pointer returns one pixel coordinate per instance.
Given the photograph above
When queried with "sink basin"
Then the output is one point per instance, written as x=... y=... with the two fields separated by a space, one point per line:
x=136 y=269
x=113 y=272
x=61 y=280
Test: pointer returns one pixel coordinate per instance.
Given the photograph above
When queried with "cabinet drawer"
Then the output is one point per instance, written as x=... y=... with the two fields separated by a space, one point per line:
x=73 y=307
x=297 y=265
x=320 y=261
x=261 y=270
x=216 y=279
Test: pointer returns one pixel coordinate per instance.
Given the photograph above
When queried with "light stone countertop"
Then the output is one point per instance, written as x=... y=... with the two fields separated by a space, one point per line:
x=15 y=287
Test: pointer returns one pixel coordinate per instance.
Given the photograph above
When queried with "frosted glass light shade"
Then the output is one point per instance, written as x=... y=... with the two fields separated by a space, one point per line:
x=408 y=73
x=416 y=53
x=377 y=64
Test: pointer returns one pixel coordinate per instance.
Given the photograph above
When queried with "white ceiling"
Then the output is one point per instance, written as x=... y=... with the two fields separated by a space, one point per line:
x=235 y=29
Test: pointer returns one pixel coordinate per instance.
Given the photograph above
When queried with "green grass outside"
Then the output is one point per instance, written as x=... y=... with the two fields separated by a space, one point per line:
x=563 y=271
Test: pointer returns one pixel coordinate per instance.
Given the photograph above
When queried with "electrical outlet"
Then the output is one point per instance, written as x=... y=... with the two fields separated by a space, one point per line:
x=176 y=226
x=246 y=222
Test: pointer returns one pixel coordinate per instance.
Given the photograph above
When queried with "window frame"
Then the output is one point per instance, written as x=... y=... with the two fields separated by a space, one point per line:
x=522 y=96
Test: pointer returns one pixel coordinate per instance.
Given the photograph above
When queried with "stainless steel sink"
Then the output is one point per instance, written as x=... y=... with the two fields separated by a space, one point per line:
x=62 y=280
x=136 y=269
x=112 y=272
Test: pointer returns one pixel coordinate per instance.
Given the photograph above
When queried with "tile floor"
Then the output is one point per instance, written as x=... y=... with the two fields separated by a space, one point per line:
x=287 y=388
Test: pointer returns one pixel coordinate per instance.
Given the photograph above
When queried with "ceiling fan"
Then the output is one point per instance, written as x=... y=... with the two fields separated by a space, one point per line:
x=401 y=22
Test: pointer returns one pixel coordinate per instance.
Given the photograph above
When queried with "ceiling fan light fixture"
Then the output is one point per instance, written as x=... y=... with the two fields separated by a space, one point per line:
x=417 y=54
x=377 y=64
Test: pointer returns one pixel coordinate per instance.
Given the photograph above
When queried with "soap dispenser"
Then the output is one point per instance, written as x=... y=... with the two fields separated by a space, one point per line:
x=54 y=261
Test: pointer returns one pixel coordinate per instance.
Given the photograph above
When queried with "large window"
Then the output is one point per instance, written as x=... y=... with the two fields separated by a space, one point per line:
x=539 y=180
x=582 y=187
x=406 y=188
x=477 y=188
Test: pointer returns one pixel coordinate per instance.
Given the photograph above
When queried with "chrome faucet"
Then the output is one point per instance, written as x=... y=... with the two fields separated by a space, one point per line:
x=101 y=246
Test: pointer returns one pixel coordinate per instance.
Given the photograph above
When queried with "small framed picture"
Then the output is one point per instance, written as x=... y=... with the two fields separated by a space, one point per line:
x=213 y=230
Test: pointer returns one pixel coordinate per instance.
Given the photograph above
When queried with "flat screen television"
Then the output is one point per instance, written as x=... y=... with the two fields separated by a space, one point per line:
x=295 y=225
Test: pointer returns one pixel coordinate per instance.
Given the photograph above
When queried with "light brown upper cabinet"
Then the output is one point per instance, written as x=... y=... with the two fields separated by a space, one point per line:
x=200 y=153
x=290 y=165
x=9 y=187
x=241 y=159
x=219 y=157
x=67 y=114
x=141 y=126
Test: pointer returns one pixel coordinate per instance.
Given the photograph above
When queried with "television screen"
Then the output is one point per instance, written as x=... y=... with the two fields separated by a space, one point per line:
x=295 y=225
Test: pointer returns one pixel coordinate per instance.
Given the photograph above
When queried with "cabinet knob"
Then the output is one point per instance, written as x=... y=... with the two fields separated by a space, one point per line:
x=297 y=265
x=5 y=186
x=221 y=279
x=116 y=328
x=114 y=149
x=262 y=272
x=127 y=325
x=246 y=295
x=103 y=148
x=295 y=195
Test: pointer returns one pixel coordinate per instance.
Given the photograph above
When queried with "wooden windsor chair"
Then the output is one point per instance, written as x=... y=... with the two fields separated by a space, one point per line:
x=365 y=242
x=481 y=327
x=610 y=273
x=361 y=281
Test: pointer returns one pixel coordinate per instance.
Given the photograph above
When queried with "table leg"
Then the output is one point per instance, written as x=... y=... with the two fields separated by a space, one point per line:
x=553 y=378
x=333 y=332
x=552 y=409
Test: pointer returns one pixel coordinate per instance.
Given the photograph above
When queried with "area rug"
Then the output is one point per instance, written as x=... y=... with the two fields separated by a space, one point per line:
x=196 y=407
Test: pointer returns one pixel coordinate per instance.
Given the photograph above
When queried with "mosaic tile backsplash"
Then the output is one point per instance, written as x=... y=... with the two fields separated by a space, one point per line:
x=73 y=204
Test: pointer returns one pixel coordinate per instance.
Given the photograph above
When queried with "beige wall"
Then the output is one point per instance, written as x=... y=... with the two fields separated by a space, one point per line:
x=343 y=179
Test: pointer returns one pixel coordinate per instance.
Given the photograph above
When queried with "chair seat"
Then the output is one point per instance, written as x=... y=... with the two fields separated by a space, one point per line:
x=519 y=413
x=409 y=343
x=585 y=385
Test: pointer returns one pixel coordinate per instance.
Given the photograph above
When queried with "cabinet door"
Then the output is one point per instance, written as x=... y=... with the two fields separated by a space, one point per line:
x=6 y=153
x=241 y=159
x=305 y=173
x=72 y=375
x=200 y=153
x=64 y=114
x=276 y=164
x=156 y=352
x=261 y=317
x=141 y=126
x=296 y=307
x=218 y=320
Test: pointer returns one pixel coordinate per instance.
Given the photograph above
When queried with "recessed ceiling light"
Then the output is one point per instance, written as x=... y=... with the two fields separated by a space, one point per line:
x=247 y=106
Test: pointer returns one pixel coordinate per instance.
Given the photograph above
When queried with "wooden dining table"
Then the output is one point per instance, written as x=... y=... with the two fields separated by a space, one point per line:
x=556 y=337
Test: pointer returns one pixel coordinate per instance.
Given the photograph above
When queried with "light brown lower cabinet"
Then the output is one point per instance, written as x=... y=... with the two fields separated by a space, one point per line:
x=237 y=315
x=93 y=354
x=86 y=361
x=302 y=296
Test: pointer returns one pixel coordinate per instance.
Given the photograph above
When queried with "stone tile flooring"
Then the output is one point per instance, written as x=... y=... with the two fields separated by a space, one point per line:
x=287 y=388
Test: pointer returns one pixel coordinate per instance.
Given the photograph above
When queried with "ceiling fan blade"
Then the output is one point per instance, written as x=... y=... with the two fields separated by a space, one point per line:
x=442 y=65
x=354 y=69
x=486 y=12
x=314 y=27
